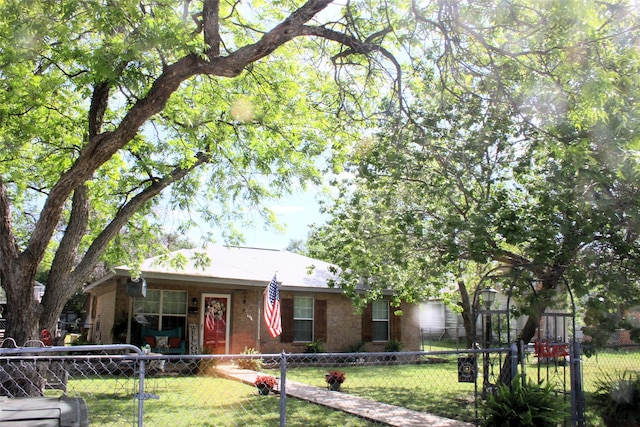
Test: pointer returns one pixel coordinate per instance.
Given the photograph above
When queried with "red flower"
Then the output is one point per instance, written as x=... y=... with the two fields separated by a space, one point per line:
x=335 y=377
x=265 y=381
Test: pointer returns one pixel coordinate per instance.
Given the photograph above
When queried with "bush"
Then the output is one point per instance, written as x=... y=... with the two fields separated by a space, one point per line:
x=355 y=348
x=393 y=346
x=81 y=340
x=314 y=347
x=617 y=399
x=524 y=405
x=254 y=364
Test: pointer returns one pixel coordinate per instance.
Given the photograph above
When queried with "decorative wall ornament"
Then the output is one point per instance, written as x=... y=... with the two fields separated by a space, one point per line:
x=193 y=339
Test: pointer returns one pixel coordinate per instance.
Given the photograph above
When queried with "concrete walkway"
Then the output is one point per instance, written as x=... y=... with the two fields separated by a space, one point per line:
x=359 y=406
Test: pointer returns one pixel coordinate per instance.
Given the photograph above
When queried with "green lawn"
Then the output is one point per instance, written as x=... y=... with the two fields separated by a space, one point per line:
x=209 y=401
x=197 y=401
x=608 y=361
x=432 y=388
x=597 y=366
x=443 y=345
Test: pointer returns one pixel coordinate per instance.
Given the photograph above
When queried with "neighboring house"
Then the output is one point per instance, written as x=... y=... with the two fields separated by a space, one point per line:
x=211 y=300
x=439 y=321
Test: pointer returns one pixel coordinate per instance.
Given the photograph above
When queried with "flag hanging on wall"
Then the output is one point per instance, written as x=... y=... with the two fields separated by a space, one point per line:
x=272 y=308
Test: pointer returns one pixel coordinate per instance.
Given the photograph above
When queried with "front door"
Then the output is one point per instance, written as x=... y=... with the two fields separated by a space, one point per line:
x=215 y=324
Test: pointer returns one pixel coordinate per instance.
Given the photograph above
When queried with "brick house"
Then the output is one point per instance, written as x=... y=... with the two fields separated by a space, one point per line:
x=211 y=300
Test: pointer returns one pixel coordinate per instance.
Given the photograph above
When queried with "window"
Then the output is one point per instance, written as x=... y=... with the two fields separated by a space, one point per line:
x=303 y=319
x=161 y=310
x=380 y=318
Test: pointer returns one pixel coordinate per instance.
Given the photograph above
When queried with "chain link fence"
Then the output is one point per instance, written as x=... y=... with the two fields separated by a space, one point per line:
x=602 y=365
x=122 y=386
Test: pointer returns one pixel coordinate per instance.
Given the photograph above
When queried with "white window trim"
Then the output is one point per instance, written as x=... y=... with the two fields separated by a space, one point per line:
x=312 y=318
x=160 y=313
x=388 y=320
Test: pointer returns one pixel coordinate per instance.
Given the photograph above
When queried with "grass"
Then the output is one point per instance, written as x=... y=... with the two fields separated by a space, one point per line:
x=443 y=345
x=596 y=367
x=593 y=368
x=432 y=388
x=197 y=401
x=208 y=401
x=608 y=361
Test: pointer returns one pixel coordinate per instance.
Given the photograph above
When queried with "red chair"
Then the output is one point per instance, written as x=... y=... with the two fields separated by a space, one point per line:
x=544 y=348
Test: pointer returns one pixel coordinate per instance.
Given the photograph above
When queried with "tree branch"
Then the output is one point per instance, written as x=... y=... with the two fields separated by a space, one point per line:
x=98 y=107
x=76 y=228
x=8 y=248
x=102 y=147
x=211 y=26
x=358 y=47
x=59 y=288
x=97 y=248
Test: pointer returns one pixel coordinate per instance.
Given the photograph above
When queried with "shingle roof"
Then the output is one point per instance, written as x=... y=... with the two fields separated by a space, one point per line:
x=241 y=266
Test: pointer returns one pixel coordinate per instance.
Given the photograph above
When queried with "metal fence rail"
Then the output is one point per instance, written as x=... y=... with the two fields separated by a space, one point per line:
x=123 y=387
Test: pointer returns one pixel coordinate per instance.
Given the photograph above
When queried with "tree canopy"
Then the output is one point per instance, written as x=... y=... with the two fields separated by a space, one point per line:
x=519 y=148
x=110 y=110
x=503 y=133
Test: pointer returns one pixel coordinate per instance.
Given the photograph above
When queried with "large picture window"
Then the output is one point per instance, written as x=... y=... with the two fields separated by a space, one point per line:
x=380 y=318
x=161 y=309
x=303 y=319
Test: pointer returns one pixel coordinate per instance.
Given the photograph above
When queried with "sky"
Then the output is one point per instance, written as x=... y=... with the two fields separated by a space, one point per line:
x=295 y=213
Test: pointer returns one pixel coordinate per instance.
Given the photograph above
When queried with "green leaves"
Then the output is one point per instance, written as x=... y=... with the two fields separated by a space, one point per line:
x=517 y=150
x=524 y=404
x=130 y=101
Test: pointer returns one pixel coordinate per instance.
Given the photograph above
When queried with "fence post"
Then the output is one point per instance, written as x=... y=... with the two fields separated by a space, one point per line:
x=577 y=392
x=514 y=361
x=283 y=389
x=141 y=394
x=523 y=365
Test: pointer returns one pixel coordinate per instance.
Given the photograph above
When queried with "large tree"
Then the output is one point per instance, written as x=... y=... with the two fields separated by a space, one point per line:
x=105 y=105
x=519 y=151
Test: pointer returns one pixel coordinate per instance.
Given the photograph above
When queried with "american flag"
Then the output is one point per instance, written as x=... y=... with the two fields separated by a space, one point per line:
x=272 y=308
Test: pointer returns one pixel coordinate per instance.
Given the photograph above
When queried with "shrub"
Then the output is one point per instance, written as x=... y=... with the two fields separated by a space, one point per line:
x=207 y=367
x=617 y=399
x=393 y=346
x=355 y=348
x=254 y=364
x=314 y=347
x=524 y=405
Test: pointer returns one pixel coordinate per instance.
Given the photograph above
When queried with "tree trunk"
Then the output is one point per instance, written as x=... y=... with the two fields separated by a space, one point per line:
x=23 y=311
x=468 y=318
x=54 y=301
x=543 y=300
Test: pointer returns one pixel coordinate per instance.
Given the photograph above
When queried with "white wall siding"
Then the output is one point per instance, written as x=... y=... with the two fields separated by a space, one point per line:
x=432 y=319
